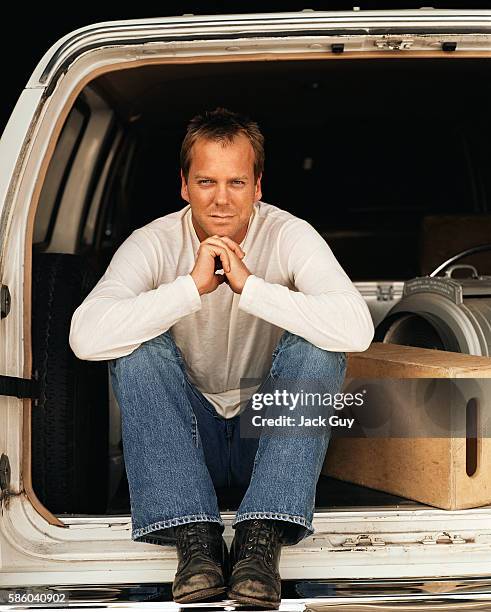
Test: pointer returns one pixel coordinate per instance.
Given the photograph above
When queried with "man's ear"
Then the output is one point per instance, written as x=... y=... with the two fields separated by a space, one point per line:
x=184 y=188
x=258 y=194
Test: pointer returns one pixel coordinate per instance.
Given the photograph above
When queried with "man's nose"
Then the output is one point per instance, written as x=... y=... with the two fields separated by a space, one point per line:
x=221 y=193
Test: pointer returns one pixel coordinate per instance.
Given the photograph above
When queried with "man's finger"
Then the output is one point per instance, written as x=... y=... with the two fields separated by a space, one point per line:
x=221 y=251
x=227 y=242
x=219 y=247
x=233 y=245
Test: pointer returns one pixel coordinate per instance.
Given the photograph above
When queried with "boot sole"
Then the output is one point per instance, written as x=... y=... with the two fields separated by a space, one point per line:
x=201 y=594
x=244 y=599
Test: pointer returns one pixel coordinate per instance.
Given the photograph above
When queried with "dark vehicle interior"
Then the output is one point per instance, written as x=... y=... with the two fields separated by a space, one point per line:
x=364 y=168
x=386 y=158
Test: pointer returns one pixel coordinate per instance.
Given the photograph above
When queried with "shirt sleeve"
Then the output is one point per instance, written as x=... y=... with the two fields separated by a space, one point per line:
x=325 y=308
x=125 y=308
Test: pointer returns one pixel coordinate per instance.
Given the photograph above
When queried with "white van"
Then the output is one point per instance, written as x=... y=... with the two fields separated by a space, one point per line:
x=377 y=127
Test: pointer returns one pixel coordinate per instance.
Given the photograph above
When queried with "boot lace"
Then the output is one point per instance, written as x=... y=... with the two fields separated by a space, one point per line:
x=261 y=539
x=196 y=538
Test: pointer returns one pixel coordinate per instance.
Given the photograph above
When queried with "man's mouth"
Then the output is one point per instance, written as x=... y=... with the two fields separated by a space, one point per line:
x=221 y=216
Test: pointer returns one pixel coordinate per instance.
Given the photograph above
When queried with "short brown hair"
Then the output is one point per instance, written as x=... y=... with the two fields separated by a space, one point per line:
x=222 y=125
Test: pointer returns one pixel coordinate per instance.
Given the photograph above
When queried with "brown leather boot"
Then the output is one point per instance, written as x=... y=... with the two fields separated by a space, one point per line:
x=255 y=558
x=203 y=567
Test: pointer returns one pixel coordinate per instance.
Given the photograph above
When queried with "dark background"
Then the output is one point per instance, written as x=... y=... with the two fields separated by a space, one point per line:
x=29 y=32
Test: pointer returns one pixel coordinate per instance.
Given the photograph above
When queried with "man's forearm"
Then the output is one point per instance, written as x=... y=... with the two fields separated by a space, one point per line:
x=110 y=323
x=332 y=320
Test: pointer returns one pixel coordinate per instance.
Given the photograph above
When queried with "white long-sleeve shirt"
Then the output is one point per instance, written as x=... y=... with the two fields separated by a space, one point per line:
x=296 y=285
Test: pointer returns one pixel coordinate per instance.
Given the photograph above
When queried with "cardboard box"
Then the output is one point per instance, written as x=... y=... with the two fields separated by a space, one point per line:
x=449 y=470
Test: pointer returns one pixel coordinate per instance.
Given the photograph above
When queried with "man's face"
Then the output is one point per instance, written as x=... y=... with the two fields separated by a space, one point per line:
x=221 y=188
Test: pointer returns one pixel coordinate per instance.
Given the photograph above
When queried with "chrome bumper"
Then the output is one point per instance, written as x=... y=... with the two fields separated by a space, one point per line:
x=297 y=596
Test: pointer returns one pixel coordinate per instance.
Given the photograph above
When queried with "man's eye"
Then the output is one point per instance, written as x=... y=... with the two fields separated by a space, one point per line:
x=203 y=181
x=238 y=182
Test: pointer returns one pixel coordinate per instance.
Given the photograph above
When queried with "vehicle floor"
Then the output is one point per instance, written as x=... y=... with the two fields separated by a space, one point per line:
x=330 y=493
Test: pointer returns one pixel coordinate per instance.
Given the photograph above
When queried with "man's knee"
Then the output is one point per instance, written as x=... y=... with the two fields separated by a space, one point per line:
x=160 y=347
x=301 y=355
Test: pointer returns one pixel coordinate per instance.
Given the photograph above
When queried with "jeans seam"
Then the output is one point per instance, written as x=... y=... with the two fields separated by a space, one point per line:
x=280 y=516
x=196 y=394
x=181 y=520
x=254 y=465
x=194 y=429
x=272 y=370
x=342 y=363
x=283 y=516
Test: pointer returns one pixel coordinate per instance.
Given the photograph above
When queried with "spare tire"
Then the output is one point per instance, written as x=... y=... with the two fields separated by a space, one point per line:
x=70 y=420
x=443 y=313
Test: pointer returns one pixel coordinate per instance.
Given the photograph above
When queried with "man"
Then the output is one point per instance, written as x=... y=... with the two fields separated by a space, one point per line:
x=180 y=335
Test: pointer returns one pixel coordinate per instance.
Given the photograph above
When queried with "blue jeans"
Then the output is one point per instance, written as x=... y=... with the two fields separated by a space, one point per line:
x=178 y=450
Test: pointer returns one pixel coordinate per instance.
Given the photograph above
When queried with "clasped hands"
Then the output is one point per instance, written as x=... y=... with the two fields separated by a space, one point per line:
x=229 y=253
